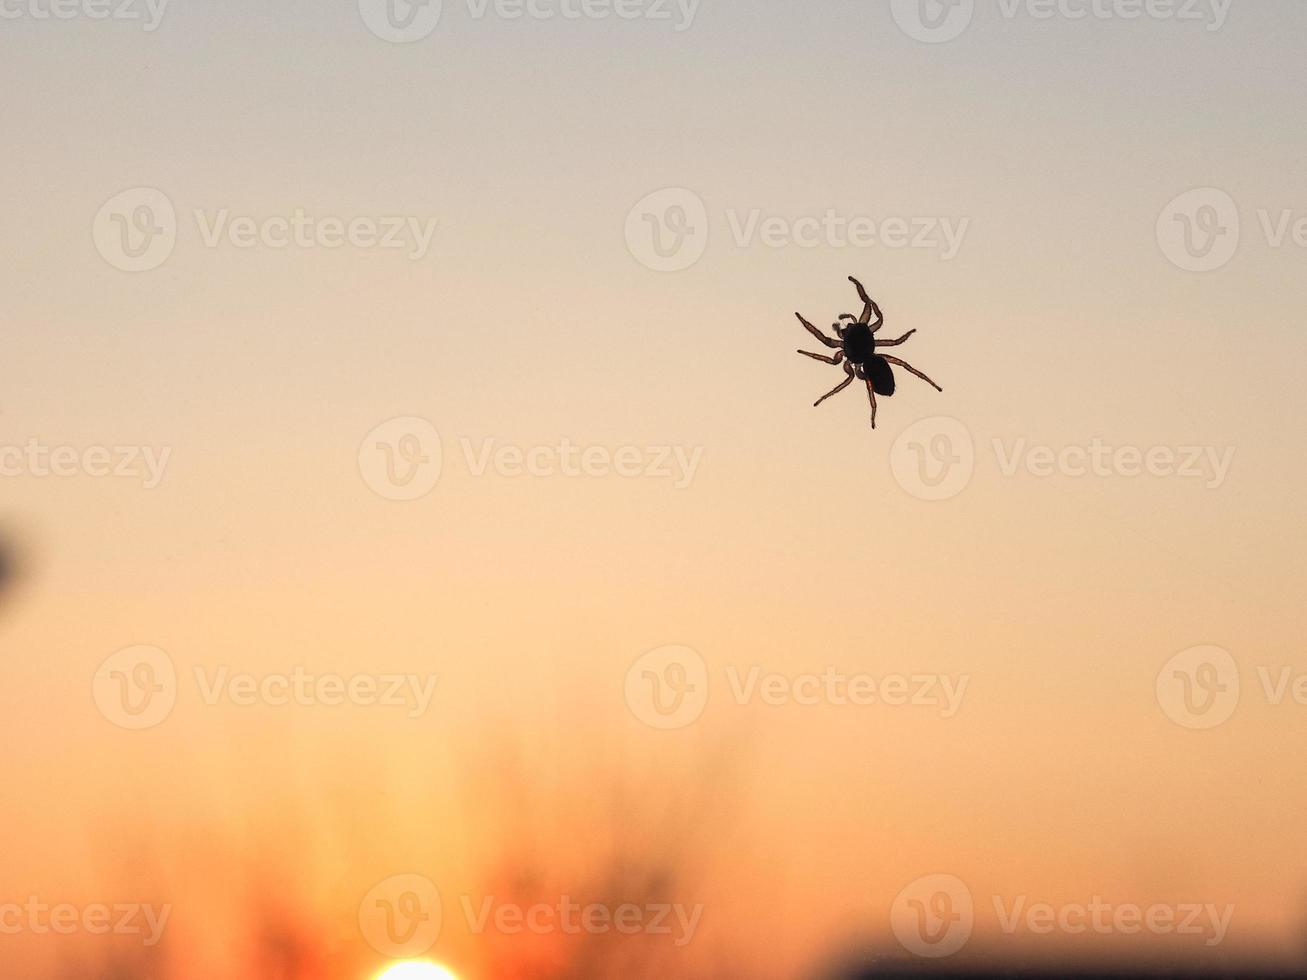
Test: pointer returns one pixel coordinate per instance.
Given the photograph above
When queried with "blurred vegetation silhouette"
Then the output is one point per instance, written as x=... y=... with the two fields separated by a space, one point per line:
x=257 y=894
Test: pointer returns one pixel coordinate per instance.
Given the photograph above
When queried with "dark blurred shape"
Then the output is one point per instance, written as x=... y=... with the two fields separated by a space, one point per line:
x=901 y=970
x=15 y=570
x=8 y=564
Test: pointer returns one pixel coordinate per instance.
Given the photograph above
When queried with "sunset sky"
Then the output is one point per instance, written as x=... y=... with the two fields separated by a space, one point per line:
x=615 y=450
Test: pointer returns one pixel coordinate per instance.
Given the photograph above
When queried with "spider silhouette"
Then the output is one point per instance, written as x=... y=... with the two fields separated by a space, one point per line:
x=857 y=345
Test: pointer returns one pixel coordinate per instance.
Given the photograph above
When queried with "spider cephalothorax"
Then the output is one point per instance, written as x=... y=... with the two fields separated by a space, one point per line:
x=857 y=344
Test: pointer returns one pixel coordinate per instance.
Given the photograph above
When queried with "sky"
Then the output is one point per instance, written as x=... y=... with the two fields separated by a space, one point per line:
x=453 y=357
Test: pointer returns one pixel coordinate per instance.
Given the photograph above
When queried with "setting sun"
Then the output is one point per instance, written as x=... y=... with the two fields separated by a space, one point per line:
x=416 y=970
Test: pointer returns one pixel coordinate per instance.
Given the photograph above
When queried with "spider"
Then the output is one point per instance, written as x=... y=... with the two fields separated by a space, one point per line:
x=857 y=342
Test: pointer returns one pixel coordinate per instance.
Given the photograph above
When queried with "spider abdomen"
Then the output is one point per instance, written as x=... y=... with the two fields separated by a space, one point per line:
x=859 y=343
x=881 y=375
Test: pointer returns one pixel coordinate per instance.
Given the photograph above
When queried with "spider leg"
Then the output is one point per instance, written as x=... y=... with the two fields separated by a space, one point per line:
x=869 y=309
x=828 y=341
x=839 y=356
x=908 y=367
x=848 y=369
x=871 y=393
x=895 y=343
